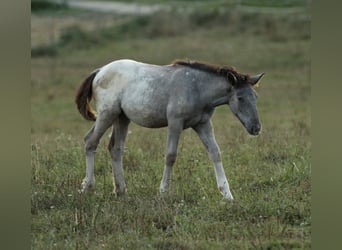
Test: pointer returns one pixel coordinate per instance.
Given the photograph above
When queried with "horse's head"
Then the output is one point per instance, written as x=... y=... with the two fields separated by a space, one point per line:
x=242 y=103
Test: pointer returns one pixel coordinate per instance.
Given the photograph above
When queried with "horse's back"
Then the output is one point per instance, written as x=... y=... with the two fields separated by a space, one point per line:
x=125 y=70
x=111 y=72
x=139 y=90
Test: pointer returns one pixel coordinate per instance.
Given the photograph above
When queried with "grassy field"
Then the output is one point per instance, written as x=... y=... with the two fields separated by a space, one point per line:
x=270 y=175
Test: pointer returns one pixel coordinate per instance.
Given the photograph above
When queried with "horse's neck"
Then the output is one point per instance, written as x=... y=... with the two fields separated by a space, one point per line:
x=220 y=101
x=218 y=94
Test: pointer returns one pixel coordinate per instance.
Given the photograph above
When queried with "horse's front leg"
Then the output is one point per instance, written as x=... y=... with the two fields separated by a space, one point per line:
x=206 y=133
x=173 y=133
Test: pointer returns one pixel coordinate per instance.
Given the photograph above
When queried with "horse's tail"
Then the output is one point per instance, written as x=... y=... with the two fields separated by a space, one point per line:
x=83 y=97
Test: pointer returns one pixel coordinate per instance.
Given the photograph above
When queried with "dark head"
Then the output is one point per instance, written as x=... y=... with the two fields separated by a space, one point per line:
x=242 y=102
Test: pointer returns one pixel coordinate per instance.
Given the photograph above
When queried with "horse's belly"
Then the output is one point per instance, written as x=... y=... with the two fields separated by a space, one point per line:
x=146 y=117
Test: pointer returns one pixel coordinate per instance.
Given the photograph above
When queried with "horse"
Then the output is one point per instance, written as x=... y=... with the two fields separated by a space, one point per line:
x=180 y=95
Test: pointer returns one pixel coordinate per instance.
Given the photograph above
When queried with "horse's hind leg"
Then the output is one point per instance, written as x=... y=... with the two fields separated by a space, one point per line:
x=102 y=123
x=116 y=147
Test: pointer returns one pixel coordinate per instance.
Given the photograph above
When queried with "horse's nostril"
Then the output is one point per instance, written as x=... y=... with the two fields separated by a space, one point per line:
x=256 y=129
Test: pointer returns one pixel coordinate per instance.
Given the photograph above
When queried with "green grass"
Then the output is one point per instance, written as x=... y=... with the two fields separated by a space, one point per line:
x=270 y=175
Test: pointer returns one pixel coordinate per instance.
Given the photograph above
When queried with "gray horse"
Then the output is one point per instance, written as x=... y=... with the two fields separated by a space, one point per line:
x=181 y=95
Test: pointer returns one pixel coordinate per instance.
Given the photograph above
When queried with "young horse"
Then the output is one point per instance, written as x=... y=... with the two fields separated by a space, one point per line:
x=181 y=95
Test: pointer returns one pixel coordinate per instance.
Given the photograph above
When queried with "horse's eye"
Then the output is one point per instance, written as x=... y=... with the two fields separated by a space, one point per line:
x=240 y=99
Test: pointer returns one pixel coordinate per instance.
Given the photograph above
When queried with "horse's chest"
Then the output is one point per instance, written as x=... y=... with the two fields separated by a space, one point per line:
x=201 y=117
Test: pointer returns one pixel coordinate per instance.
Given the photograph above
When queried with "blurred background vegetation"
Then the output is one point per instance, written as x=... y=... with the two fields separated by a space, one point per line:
x=178 y=19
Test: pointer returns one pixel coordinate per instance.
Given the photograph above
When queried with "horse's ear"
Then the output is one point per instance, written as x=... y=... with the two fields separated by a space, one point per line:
x=254 y=79
x=232 y=78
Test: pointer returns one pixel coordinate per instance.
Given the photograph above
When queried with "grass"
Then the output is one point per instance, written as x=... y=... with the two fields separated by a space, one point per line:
x=270 y=175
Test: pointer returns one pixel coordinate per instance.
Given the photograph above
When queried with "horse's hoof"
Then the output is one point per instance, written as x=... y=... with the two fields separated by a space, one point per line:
x=164 y=189
x=120 y=193
x=87 y=187
x=228 y=197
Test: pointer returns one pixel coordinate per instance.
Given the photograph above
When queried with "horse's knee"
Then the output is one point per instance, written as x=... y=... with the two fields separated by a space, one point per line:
x=171 y=158
x=116 y=152
x=215 y=155
x=90 y=146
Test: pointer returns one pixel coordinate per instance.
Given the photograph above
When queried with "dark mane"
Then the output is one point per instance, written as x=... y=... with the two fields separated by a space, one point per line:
x=221 y=70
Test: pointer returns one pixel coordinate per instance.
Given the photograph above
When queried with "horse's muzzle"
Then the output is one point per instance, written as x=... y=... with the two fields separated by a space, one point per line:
x=255 y=129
